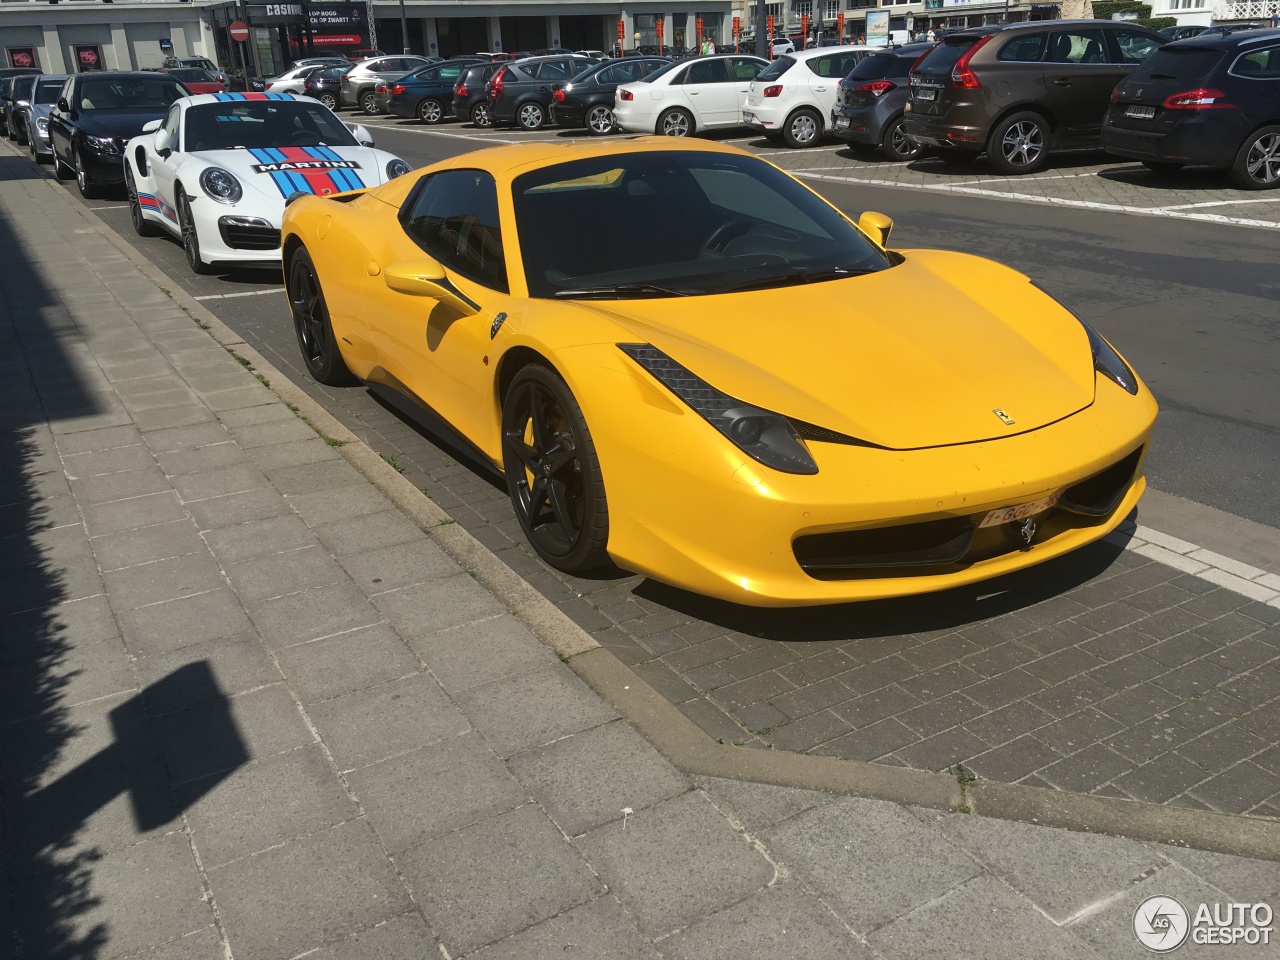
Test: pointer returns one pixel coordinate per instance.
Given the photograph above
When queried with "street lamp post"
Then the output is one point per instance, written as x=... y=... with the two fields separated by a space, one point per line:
x=762 y=41
x=404 y=29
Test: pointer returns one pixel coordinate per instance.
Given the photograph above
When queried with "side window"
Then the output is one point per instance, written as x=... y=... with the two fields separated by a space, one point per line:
x=65 y=93
x=1132 y=46
x=836 y=65
x=744 y=68
x=170 y=126
x=450 y=73
x=1076 y=46
x=432 y=74
x=1261 y=64
x=706 y=71
x=553 y=70
x=625 y=73
x=453 y=216
x=1026 y=48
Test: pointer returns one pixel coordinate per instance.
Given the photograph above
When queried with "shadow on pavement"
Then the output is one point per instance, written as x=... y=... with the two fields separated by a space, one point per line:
x=48 y=901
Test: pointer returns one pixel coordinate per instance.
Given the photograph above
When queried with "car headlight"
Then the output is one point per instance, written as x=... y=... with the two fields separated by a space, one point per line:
x=1105 y=359
x=42 y=124
x=396 y=168
x=104 y=146
x=763 y=436
x=221 y=185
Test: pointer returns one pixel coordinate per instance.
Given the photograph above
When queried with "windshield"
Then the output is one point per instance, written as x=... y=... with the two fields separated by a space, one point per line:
x=776 y=69
x=1184 y=64
x=192 y=76
x=255 y=124
x=47 y=90
x=681 y=223
x=128 y=93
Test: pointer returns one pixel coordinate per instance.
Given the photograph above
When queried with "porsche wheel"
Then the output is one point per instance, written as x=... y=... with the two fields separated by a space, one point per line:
x=430 y=111
x=141 y=225
x=896 y=144
x=190 y=238
x=1257 y=163
x=481 y=116
x=552 y=471
x=311 y=323
x=329 y=100
x=531 y=116
x=600 y=120
x=675 y=123
x=88 y=189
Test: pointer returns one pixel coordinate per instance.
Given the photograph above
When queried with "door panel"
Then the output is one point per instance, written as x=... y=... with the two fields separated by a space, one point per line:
x=1079 y=81
x=711 y=94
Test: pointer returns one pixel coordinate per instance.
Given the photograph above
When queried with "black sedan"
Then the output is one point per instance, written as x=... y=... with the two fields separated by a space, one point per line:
x=587 y=99
x=326 y=86
x=871 y=101
x=521 y=93
x=97 y=115
x=1207 y=101
x=7 y=76
x=471 y=95
x=16 y=95
x=425 y=93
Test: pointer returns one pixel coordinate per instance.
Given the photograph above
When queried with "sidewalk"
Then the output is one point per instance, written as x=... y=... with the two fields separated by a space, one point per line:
x=251 y=709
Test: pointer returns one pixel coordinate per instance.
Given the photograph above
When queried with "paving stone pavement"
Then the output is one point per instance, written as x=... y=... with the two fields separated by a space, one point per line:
x=251 y=711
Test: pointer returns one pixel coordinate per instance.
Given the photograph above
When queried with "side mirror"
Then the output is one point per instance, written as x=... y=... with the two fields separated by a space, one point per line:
x=361 y=133
x=63 y=105
x=877 y=226
x=161 y=143
x=151 y=126
x=426 y=278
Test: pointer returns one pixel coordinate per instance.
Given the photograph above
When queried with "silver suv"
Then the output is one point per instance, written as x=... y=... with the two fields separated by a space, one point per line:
x=359 y=82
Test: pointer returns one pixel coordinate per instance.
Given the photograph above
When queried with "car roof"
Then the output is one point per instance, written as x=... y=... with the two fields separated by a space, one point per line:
x=201 y=98
x=802 y=55
x=1230 y=41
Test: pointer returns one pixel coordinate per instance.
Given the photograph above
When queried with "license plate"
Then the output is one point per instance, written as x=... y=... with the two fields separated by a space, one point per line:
x=842 y=121
x=1020 y=512
x=926 y=93
x=1140 y=113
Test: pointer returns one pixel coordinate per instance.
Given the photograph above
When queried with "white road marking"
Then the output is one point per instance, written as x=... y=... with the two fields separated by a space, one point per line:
x=1054 y=176
x=1222 y=203
x=1241 y=578
x=246 y=293
x=1176 y=213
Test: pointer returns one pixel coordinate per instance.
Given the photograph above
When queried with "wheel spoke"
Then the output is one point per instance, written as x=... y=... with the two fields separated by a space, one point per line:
x=542 y=437
x=560 y=507
x=537 y=498
x=523 y=452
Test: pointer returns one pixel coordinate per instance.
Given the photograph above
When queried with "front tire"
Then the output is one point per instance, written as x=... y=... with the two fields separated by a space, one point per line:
x=60 y=169
x=430 y=111
x=802 y=129
x=530 y=116
x=1019 y=144
x=896 y=145
x=601 y=121
x=553 y=474
x=88 y=189
x=141 y=225
x=311 y=323
x=480 y=115
x=1257 y=162
x=190 y=237
x=675 y=123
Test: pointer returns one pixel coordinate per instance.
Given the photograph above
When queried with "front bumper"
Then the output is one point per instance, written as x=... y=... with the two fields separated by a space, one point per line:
x=107 y=169
x=40 y=140
x=735 y=530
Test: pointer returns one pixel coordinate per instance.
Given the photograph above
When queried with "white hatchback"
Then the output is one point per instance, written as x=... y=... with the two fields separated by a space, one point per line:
x=688 y=96
x=795 y=95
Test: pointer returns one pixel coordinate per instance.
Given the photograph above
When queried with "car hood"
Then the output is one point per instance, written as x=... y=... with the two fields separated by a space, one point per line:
x=920 y=355
x=125 y=124
x=282 y=171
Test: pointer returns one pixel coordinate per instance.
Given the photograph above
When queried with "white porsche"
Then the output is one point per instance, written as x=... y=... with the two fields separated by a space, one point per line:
x=217 y=170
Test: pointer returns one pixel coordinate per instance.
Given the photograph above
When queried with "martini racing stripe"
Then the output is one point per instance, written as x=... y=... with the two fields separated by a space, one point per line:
x=226 y=97
x=320 y=181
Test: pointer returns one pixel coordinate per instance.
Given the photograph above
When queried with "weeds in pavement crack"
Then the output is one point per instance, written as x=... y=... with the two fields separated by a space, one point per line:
x=964 y=776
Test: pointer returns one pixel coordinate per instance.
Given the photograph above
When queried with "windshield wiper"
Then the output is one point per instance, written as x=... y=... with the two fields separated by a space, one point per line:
x=619 y=290
x=797 y=276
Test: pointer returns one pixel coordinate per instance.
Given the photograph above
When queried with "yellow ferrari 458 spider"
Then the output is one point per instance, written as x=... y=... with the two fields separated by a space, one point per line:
x=686 y=361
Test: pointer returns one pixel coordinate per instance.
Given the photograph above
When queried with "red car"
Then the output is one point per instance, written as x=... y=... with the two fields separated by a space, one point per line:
x=197 y=81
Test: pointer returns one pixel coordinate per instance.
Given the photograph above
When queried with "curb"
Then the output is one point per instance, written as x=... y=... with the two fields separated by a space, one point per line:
x=669 y=730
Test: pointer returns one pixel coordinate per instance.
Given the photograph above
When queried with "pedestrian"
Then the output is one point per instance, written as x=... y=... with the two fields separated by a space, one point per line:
x=930 y=36
x=711 y=45
x=1275 y=17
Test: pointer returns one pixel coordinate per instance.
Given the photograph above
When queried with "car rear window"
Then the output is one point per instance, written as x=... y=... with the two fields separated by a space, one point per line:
x=942 y=59
x=1184 y=64
x=776 y=69
x=880 y=66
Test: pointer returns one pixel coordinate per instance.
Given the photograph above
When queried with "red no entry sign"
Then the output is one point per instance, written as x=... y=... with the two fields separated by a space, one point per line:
x=239 y=31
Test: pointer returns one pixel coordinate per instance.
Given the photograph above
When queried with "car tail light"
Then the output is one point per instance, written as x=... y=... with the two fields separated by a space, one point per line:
x=877 y=87
x=496 y=84
x=380 y=88
x=1205 y=98
x=1115 y=94
x=626 y=95
x=396 y=89
x=558 y=96
x=773 y=91
x=460 y=90
x=961 y=75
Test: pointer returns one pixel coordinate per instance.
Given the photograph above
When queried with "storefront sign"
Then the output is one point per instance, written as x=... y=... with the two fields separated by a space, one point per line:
x=274 y=14
x=339 y=25
x=23 y=57
x=88 y=57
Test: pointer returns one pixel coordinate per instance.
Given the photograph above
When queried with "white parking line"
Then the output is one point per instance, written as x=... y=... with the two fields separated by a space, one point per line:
x=1176 y=213
x=1222 y=203
x=246 y=293
x=1052 y=176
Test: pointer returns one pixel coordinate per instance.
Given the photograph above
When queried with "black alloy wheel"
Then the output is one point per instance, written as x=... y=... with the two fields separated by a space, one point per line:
x=1019 y=144
x=552 y=472
x=311 y=323
x=141 y=225
x=190 y=238
x=430 y=111
x=1257 y=163
x=480 y=114
x=897 y=145
x=600 y=120
x=88 y=189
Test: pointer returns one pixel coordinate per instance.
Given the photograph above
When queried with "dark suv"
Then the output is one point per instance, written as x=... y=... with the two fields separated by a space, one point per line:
x=1021 y=90
x=1211 y=100
x=521 y=93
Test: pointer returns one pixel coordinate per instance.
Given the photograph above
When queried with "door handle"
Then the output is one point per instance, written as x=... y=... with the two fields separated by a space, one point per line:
x=1062 y=83
x=821 y=89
